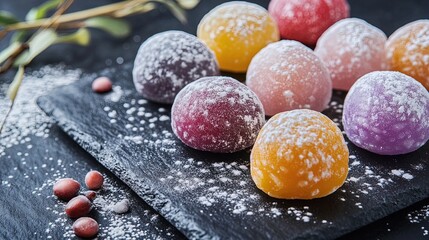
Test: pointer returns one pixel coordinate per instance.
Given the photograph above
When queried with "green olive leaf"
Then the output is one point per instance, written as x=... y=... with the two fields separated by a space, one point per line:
x=7 y=52
x=13 y=89
x=7 y=18
x=175 y=9
x=81 y=37
x=18 y=36
x=188 y=4
x=37 y=44
x=115 y=27
x=42 y=10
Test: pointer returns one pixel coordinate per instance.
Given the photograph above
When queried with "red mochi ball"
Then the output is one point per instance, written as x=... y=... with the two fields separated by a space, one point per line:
x=217 y=114
x=306 y=20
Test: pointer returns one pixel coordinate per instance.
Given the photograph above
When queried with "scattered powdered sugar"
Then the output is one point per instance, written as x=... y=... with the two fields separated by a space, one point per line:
x=113 y=223
x=139 y=118
x=121 y=207
x=401 y=173
x=420 y=216
x=116 y=94
x=26 y=119
x=227 y=185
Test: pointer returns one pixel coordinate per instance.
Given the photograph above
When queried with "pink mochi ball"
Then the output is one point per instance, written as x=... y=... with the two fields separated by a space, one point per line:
x=306 y=20
x=350 y=49
x=287 y=75
x=387 y=113
x=217 y=114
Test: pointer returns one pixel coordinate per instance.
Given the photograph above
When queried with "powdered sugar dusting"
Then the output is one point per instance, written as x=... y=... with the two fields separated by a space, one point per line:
x=302 y=20
x=217 y=114
x=26 y=119
x=287 y=75
x=241 y=20
x=350 y=49
x=168 y=61
x=296 y=138
x=411 y=42
x=387 y=112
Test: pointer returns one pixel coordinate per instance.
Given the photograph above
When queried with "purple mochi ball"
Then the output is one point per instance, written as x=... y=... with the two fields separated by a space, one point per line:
x=217 y=114
x=168 y=61
x=387 y=113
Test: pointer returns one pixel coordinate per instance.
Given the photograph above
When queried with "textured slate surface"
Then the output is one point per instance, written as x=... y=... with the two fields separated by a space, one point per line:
x=23 y=210
x=29 y=211
x=212 y=195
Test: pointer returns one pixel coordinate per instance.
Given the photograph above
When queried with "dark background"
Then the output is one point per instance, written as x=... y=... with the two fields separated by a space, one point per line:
x=24 y=216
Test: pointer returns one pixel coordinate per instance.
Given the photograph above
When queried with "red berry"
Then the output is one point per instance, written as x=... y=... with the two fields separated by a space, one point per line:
x=94 y=180
x=90 y=195
x=85 y=227
x=102 y=85
x=78 y=207
x=66 y=188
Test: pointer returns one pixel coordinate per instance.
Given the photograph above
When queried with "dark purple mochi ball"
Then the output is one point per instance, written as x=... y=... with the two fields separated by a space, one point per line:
x=217 y=114
x=387 y=113
x=168 y=61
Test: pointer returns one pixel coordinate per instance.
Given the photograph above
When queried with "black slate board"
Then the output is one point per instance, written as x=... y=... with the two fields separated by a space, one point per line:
x=211 y=195
x=25 y=217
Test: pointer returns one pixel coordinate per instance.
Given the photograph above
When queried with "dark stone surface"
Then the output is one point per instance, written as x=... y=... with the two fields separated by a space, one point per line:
x=25 y=216
x=202 y=193
x=29 y=210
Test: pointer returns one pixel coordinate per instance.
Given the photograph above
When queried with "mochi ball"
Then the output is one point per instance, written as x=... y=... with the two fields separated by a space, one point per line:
x=236 y=31
x=287 y=75
x=306 y=20
x=387 y=113
x=168 y=61
x=217 y=114
x=350 y=49
x=299 y=154
x=407 y=51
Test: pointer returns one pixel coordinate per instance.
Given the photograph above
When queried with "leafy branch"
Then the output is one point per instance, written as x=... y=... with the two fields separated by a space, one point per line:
x=44 y=31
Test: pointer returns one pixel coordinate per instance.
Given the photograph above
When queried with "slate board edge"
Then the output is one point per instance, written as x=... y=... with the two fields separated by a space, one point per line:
x=153 y=197
x=159 y=201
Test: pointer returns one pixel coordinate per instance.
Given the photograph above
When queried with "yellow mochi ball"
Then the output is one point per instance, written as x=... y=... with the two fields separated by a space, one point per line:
x=235 y=32
x=300 y=154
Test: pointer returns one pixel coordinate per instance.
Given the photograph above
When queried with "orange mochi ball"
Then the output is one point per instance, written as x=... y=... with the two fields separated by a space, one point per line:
x=236 y=31
x=350 y=49
x=287 y=75
x=408 y=51
x=300 y=154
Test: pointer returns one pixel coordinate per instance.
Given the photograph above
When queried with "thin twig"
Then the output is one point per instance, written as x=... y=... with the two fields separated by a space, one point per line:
x=7 y=115
x=9 y=62
x=57 y=14
x=106 y=10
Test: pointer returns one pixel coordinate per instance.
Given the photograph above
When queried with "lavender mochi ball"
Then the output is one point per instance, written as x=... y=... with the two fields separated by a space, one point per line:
x=168 y=61
x=387 y=113
x=217 y=114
